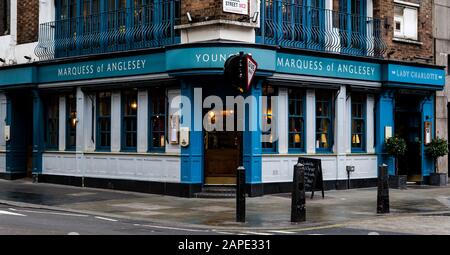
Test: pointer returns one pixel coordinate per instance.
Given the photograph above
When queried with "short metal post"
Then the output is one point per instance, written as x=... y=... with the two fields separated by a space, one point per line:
x=240 y=194
x=383 y=190
x=298 y=209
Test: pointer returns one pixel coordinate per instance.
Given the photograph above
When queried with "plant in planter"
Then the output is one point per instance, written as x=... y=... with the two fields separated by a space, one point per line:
x=396 y=146
x=436 y=149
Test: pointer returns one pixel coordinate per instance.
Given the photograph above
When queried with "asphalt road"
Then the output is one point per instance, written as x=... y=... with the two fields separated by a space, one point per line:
x=24 y=221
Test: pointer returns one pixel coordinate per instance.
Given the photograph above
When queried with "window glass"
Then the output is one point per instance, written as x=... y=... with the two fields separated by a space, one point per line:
x=405 y=22
x=71 y=121
x=358 y=122
x=52 y=121
x=324 y=125
x=157 y=118
x=104 y=120
x=268 y=141
x=129 y=124
x=296 y=119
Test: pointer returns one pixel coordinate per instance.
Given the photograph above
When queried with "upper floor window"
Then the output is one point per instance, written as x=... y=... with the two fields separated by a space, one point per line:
x=5 y=8
x=405 y=22
x=324 y=120
x=269 y=143
x=51 y=113
x=104 y=121
x=157 y=110
x=71 y=121
x=358 y=122
x=129 y=120
x=296 y=119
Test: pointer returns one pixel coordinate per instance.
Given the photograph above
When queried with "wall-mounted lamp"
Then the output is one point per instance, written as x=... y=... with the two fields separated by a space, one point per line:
x=189 y=17
x=27 y=58
x=255 y=17
x=2 y=60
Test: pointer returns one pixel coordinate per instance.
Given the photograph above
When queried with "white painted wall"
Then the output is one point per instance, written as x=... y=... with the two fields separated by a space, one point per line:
x=62 y=123
x=310 y=121
x=173 y=97
x=161 y=168
x=14 y=53
x=115 y=121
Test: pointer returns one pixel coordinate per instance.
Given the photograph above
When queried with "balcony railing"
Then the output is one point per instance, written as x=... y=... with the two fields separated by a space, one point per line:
x=288 y=24
x=126 y=29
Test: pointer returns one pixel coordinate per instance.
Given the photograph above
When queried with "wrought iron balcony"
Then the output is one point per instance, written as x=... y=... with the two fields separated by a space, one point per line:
x=288 y=24
x=126 y=29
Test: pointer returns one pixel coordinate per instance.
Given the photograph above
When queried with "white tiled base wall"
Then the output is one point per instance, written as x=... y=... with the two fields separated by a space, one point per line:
x=280 y=168
x=130 y=167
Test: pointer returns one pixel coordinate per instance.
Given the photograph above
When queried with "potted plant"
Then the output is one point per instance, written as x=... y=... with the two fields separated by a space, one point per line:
x=436 y=149
x=396 y=146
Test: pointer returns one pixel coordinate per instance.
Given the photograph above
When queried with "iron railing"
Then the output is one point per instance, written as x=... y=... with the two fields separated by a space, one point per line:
x=125 y=29
x=294 y=25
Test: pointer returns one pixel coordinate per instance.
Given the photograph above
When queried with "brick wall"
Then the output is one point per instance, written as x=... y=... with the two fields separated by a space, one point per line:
x=27 y=21
x=384 y=9
x=204 y=10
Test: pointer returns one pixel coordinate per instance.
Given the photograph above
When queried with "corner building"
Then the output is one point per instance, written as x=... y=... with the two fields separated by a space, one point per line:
x=99 y=104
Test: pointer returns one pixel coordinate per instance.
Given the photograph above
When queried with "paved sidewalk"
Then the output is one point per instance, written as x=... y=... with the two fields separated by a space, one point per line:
x=349 y=207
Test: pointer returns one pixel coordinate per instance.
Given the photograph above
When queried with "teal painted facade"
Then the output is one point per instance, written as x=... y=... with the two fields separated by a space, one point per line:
x=187 y=65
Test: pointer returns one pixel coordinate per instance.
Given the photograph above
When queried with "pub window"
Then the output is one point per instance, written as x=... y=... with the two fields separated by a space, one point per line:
x=5 y=17
x=51 y=122
x=296 y=120
x=157 y=126
x=71 y=121
x=324 y=120
x=269 y=143
x=104 y=121
x=129 y=120
x=358 y=122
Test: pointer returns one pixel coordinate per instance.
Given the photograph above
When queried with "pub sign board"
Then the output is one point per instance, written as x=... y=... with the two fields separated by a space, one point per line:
x=313 y=175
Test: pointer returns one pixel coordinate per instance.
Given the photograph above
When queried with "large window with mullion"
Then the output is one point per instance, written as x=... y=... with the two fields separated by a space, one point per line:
x=103 y=141
x=358 y=122
x=71 y=121
x=296 y=119
x=51 y=114
x=129 y=120
x=269 y=142
x=157 y=117
x=324 y=120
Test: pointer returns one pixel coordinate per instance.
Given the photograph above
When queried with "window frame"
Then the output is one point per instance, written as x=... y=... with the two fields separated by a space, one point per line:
x=401 y=33
x=99 y=132
x=274 y=148
x=123 y=117
x=330 y=131
x=302 y=116
x=151 y=97
x=68 y=97
x=363 y=118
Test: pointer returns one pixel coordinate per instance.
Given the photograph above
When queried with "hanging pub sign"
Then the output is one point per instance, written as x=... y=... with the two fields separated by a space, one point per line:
x=236 y=6
x=313 y=175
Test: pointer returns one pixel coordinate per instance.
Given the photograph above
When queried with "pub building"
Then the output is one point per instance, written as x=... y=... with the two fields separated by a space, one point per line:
x=114 y=101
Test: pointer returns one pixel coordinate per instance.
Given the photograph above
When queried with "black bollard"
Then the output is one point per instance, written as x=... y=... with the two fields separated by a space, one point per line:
x=298 y=209
x=240 y=194
x=383 y=190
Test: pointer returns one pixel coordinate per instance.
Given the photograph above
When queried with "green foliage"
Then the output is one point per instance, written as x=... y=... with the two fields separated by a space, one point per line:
x=437 y=148
x=396 y=146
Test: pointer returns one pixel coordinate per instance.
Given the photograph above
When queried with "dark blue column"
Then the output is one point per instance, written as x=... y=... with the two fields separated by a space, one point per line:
x=384 y=117
x=252 y=139
x=38 y=132
x=192 y=155
x=427 y=109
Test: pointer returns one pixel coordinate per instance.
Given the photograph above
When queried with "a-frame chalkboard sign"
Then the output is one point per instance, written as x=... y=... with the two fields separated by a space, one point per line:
x=313 y=175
